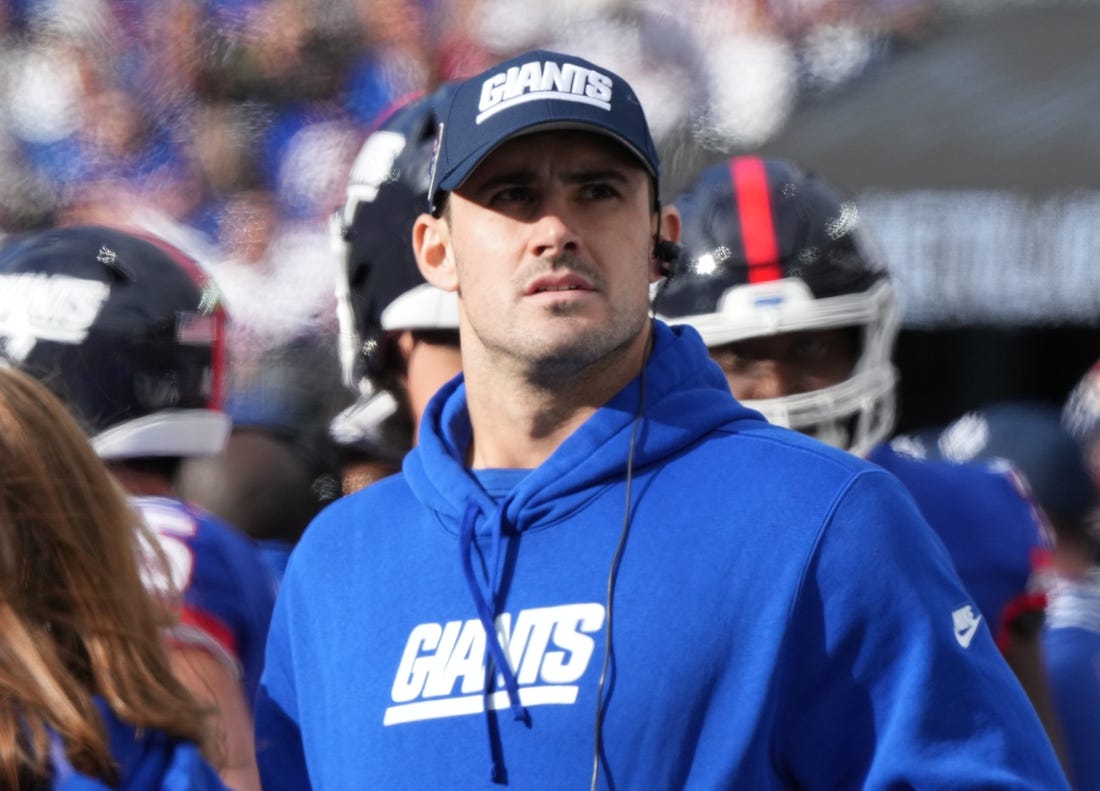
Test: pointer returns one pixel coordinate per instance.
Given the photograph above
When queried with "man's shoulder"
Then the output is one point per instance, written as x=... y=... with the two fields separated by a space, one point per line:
x=779 y=448
x=755 y=461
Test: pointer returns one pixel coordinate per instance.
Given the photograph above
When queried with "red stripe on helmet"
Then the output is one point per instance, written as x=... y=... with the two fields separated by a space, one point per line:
x=754 y=208
x=219 y=344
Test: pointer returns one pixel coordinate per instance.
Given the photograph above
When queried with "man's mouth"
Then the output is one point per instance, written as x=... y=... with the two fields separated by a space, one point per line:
x=559 y=285
x=541 y=289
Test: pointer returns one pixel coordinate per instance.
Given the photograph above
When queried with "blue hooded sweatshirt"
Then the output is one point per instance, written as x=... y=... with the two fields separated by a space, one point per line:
x=781 y=617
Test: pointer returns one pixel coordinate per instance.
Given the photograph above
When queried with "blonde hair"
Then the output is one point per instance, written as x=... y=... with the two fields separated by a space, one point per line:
x=76 y=620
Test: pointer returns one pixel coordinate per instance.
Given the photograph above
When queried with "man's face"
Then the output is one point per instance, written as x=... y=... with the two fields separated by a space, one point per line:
x=431 y=358
x=552 y=238
x=789 y=363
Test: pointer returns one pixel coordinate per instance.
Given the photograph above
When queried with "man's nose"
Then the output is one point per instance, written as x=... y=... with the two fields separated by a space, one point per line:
x=554 y=233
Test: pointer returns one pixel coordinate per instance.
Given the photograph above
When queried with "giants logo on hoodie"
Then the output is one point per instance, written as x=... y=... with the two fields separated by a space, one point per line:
x=442 y=669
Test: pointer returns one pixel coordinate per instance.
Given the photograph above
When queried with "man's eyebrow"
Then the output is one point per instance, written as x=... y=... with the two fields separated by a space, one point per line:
x=524 y=175
x=596 y=174
x=519 y=175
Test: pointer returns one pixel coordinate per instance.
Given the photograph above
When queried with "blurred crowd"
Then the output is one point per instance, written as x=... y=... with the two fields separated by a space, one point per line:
x=228 y=126
x=192 y=105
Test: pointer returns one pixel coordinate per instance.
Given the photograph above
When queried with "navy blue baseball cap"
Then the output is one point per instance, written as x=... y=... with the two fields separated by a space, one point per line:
x=533 y=92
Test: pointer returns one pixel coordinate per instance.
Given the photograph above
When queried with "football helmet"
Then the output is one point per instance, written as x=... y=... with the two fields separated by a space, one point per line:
x=770 y=248
x=125 y=330
x=1081 y=412
x=380 y=287
x=1029 y=437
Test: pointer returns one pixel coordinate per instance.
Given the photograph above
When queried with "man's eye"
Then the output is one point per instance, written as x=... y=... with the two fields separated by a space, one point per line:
x=512 y=195
x=599 y=191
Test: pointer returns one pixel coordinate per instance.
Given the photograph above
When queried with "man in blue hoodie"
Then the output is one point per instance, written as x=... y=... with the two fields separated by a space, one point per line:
x=597 y=569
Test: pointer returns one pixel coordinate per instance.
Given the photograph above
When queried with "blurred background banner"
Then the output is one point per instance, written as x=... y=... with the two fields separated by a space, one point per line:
x=976 y=158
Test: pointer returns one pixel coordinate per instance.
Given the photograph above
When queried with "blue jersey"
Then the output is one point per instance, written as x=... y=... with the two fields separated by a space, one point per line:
x=228 y=591
x=989 y=526
x=1071 y=646
x=148 y=760
x=782 y=617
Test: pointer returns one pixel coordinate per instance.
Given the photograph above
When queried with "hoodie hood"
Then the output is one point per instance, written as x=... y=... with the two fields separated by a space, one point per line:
x=680 y=387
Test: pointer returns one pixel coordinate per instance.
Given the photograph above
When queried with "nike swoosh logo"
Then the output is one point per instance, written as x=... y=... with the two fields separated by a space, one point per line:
x=966 y=634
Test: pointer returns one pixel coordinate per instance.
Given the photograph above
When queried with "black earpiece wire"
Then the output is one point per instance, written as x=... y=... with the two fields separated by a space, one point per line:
x=613 y=573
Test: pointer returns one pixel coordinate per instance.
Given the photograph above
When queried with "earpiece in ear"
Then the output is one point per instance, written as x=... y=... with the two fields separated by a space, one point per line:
x=668 y=255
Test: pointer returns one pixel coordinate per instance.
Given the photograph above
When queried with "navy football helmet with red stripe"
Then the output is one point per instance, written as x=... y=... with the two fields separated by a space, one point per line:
x=381 y=288
x=125 y=330
x=770 y=248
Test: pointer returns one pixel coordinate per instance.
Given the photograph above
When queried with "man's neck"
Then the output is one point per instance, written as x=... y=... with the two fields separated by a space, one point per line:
x=519 y=420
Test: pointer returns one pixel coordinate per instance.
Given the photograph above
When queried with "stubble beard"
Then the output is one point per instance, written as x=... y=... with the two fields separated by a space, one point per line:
x=586 y=352
x=547 y=363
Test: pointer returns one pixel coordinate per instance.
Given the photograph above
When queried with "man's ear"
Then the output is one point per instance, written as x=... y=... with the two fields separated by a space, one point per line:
x=666 y=235
x=670 y=223
x=431 y=242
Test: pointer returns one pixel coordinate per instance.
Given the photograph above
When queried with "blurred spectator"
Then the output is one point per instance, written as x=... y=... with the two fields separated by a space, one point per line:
x=396 y=60
x=89 y=698
x=117 y=160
